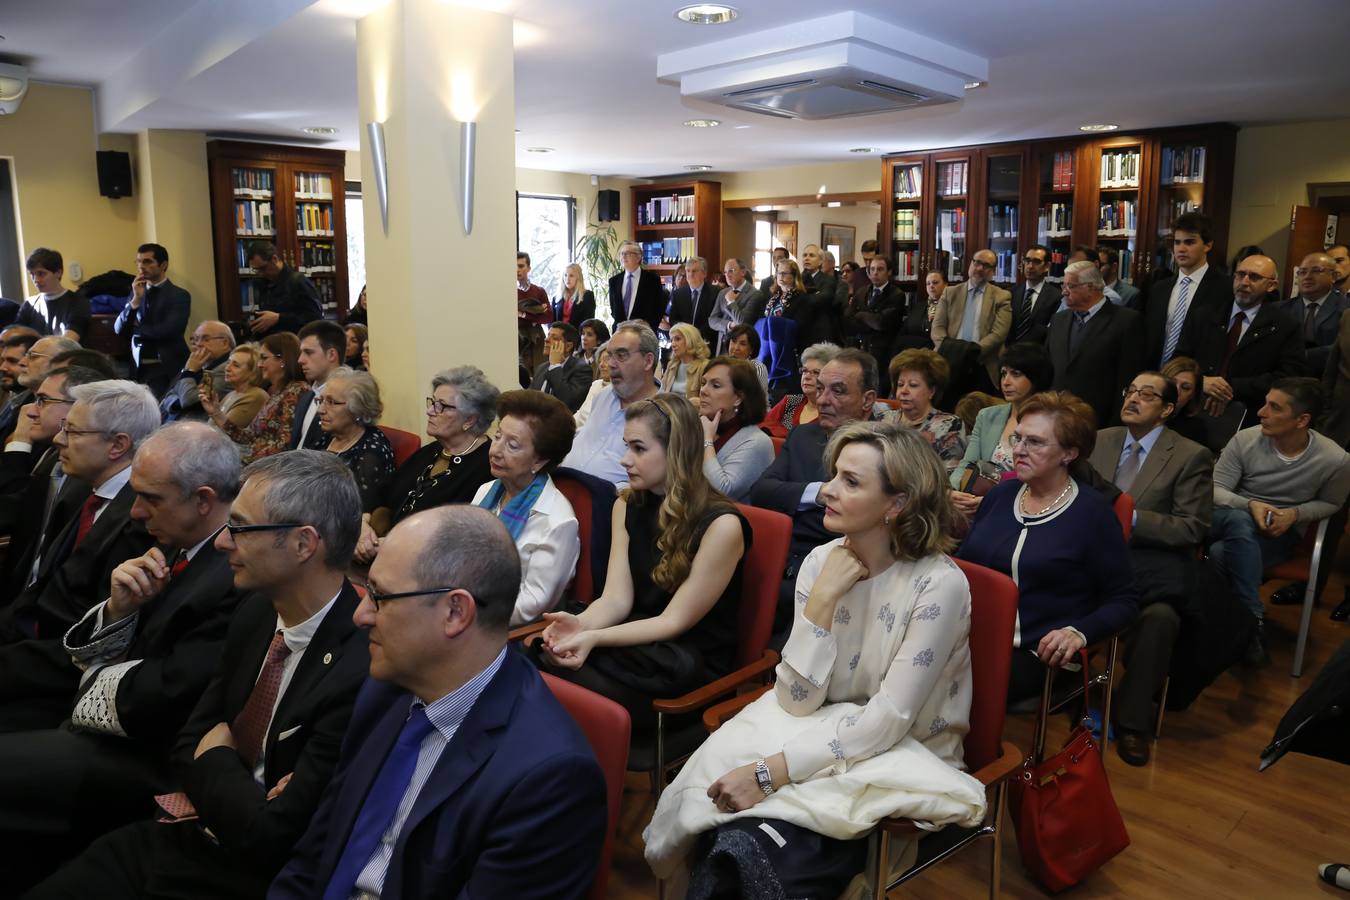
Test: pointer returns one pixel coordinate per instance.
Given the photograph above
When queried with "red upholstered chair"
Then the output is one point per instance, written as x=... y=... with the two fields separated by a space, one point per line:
x=607 y=727
x=888 y=402
x=1124 y=507
x=988 y=757
x=1311 y=564
x=405 y=443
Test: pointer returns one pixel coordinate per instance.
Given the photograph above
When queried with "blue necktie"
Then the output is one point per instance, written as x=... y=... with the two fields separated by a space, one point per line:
x=380 y=806
x=1177 y=321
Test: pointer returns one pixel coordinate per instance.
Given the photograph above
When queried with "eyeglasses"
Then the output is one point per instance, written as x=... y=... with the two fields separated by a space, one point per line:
x=234 y=529
x=1033 y=260
x=31 y=355
x=1313 y=270
x=1032 y=443
x=438 y=407
x=983 y=264
x=42 y=400
x=377 y=598
x=621 y=354
x=203 y=338
x=70 y=432
x=1145 y=394
x=1249 y=275
x=329 y=401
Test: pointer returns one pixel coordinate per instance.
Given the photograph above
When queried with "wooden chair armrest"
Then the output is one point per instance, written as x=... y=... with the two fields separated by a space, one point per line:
x=1009 y=761
x=715 y=716
x=700 y=698
x=521 y=632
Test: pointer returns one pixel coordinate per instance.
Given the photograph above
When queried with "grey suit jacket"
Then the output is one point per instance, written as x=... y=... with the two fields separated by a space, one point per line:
x=744 y=310
x=1325 y=325
x=1173 y=492
x=995 y=321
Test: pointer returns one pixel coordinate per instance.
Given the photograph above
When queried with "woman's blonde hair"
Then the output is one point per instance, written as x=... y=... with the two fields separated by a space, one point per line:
x=798 y=285
x=908 y=466
x=255 y=373
x=693 y=338
x=581 y=279
x=694 y=370
x=689 y=494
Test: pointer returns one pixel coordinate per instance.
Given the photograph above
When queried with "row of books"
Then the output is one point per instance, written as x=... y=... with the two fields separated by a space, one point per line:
x=1002 y=220
x=908 y=182
x=313 y=185
x=1055 y=220
x=1182 y=165
x=1061 y=172
x=1006 y=269
x=250 y=290
x=668 y=251
x=1126 y=267
x=953 y=177
x=1168 y=211
x=317 y=256
x=253 y=217
x=906 y=224
x=1117 y=218
x=951 y=224
x=313 y=219
x=664 y=210
x=249 y=182
x=1120 y=168
x=907 y=265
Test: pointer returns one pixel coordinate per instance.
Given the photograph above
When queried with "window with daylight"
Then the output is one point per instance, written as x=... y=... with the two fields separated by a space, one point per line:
x=356 y=243
x=545 y=229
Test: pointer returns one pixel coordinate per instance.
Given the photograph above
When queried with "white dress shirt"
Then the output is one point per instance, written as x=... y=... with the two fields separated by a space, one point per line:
x=549 y=547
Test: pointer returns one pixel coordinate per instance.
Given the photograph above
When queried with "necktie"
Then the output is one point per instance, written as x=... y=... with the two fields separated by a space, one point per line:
x=693 y=315
x=1028 y=304
x=1234 y=335
x=628 y=296
x=1310 y=323
x=1178 y=319
x=87 y=513
x=971 y=316
x=178 y=566
x=250 y=725
x=872 y=300
x=380 y=806
x=1129 y=467
x=1078 y=326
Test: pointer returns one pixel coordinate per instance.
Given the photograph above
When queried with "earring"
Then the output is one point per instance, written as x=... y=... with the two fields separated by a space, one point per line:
x=886 y=520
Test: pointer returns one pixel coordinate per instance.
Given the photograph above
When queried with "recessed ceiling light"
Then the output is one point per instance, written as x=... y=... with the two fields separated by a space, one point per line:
x=972 y=85
x=706 y=14
x=739 y=127
x=702 y=123
x=699 y=168
x=1098 y=126
x=864 y=150
x=538 y=149
x=321 y=129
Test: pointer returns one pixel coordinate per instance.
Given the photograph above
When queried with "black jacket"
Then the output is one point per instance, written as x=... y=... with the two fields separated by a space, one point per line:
x=1108 y=355
x=1215 y=289
x=649 y=298
x=1035 y=326
x=1270 y=348
x=293 y=297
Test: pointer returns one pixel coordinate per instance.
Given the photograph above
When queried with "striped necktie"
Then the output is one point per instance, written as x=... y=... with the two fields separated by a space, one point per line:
x=1178 y=319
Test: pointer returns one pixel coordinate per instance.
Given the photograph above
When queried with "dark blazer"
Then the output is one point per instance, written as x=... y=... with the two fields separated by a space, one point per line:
x=1173 y=491
x=581 y=310
x=1336 y=387
x=514 y=808
x=1109 y=354
x=682 y=309
x=1325 y=324
x=1215 y=289
x=156 y=329
x=570 y=382
x=780 y=488
x=293 y=297
x=23 y=507
x=317 y=439
x=1271 y=348
x=1035 y=326
x=873 y=325
x=9 y=311
x=312 y=714
x=649 y=300
x=9 y=413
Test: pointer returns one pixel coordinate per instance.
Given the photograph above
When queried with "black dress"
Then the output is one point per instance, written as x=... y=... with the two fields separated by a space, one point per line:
x=413 y=489
x=371 y=460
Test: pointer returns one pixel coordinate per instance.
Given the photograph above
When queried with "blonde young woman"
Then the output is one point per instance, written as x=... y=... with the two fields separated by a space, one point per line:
x=575 y=304
x=688 y=357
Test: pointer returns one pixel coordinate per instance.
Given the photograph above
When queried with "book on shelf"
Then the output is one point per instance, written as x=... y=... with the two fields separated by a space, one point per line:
x=1120 y=168
x=1061 y=177
x=1054 y=220
x=251 y=182
x=907 y=265
x=1182 y=165
x=253 y=218
x=317 y=257
x=906 y=225
x=1006 y=267
x=1126 y=267
x=908 y=182
x=669 y=251
x=1116 y=218
x=313 y=186
x=1003 y=220
x=1058 y=262
x=953 y=177
x=314 y=219
x=666 y=210
x=1170 y=209
x=951 y=225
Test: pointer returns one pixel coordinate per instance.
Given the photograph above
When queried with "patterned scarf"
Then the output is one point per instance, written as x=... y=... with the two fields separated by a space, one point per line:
x=516 y=512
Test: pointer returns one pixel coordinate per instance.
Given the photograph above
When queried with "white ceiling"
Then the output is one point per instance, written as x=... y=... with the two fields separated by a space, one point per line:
x=586 y=72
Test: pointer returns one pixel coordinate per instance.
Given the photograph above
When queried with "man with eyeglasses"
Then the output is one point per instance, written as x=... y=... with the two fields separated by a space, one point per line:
x=1244 y=347
x=212 y=342
x=598 y=445
x=260 y=745
x=13 y=348
x=105 y=701
x=978 y=311
x=634 y=292
x=739 y=303
x=287 y=300
x=1171 y=481
x=462 y=775
x=1317 y=308
x=1108 y=260
x=1095 y=345
x=1034 y=299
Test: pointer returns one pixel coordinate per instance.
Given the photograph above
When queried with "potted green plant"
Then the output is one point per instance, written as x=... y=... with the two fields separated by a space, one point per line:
x=597 y=252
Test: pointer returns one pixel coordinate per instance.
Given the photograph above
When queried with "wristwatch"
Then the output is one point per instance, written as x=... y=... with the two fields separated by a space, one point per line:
x=763 y=777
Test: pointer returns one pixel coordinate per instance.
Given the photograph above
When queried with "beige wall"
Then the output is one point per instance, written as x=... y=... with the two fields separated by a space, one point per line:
x=51 y=141
x=1275 y=163
x=173 y=186
x=791 y=181
x=863 y=218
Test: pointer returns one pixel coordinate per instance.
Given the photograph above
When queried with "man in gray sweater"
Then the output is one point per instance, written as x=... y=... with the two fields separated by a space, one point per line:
x=1269 y=479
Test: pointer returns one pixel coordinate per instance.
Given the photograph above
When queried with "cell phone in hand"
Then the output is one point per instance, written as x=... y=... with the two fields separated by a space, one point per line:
x=1270 y=517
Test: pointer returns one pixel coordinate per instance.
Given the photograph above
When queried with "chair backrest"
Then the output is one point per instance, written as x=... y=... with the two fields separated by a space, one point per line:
x=405 y=443
x=993 y=610
x=761 y=576
x=778 y=443
x=888 y=402
x=1220 y=430
x=592 y=502
x=606 y=726
x=1124 y=507
x=777 y=345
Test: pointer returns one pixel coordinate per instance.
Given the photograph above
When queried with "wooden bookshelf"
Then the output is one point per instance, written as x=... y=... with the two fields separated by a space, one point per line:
x=292 y=196
x=1060 y=198
x=685 y=217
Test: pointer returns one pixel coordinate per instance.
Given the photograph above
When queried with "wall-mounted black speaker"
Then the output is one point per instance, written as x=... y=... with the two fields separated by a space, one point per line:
x=609 y=206
x=114 y=173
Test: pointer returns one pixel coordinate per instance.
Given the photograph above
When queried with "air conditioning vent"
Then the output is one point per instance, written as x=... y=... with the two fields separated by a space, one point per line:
x=785 y=86
x=878 y=86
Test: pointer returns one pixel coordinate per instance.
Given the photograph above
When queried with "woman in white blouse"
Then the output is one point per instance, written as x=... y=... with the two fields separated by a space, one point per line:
x=731 y=405
x=534 y=433
x=878 y=654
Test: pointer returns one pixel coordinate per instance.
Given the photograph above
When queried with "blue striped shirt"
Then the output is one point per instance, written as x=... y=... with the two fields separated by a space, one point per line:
x=446 y=715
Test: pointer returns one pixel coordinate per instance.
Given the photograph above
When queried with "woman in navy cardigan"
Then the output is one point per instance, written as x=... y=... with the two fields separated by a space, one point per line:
x=1059 y=541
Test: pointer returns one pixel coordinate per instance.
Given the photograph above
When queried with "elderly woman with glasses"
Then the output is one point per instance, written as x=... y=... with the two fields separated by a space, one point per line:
x=348 y=410
x=451 y=467
x=1062 y=544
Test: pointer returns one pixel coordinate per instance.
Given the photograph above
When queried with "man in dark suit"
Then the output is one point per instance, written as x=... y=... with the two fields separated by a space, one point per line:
x=873 y=314
x=1317 y=308
x=90 y=531
x=12 y=351
x=1035 y=300
x=1243 y=348
x=739 y=303
x=791 y=485
x=462 y=776
x=635 y=293
x=260 y=746
x=9 y=311
x=119 y=685
x=777 y=255
x=573 y=307
x=1108 y=260
x=288 y=300
x=155 y=317
x=322 y=345
x=818 y=320
x=1095 y=345
x=563 y=375
x=1173 y=302
x=1171 y=481
x=694 y=302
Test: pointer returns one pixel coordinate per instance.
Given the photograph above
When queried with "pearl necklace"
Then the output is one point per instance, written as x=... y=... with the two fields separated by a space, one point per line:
x=1053 y=503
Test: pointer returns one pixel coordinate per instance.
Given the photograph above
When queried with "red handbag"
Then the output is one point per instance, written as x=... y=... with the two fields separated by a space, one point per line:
x=1068 y=824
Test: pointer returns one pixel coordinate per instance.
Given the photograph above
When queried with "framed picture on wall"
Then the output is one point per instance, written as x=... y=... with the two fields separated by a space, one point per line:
x=785 y=235
x=839 y=240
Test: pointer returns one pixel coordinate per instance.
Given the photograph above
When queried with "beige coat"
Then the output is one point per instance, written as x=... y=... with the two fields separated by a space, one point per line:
x=994 y=322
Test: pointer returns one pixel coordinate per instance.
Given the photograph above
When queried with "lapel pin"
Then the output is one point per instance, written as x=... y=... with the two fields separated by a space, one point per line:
x=327 y=658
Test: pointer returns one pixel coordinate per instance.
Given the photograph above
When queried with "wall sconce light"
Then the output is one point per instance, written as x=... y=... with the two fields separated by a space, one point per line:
x=375 y=131
x=468 y=138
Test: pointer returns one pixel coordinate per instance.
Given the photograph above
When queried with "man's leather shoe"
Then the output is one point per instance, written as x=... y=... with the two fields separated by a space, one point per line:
x=1132 y=747
x=1290 y=594
x=1342 y=612
x=1256 y=655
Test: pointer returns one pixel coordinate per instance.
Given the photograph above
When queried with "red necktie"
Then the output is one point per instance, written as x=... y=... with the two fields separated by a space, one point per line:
x=250 y=726
x=179 y=565
x=87 y=513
